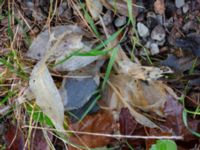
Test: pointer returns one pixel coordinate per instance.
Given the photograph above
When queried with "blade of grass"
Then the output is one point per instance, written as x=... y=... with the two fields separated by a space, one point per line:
x=89 y=20
x=110 y=65
x=94 y=52
x=191 y=71
x=7 y=97
x=130 y=12
x=9 y=30
x=90 y=107
x=184 y=116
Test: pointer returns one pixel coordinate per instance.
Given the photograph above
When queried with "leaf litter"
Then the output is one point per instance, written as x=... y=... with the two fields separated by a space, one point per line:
x=141 y=102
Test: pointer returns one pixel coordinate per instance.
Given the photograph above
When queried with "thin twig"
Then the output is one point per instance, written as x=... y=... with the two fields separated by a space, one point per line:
x=109 y=135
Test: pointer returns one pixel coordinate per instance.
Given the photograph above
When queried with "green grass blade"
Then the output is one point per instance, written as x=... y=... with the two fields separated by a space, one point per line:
x=130 y=12
x=184 y=116
x=110 y=65
x=89 y=20
x=90 y=107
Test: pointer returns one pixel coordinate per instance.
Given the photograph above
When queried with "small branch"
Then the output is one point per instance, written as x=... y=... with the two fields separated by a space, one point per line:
x=109 y=135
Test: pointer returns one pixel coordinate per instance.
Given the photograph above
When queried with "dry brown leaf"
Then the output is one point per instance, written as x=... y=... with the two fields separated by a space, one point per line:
x=47 y=96
x=67 y=46
x=159 y=7
x=102 y=122
x=135 y=86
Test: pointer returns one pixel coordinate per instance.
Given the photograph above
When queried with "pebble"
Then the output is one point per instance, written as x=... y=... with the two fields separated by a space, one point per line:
x=158 y=33
x=179 y=3
x=185 y=8
x=161 y=43
x=143 y=31
x=154 y=48
x=120 y=21
x=107 y=18
x=60 y=10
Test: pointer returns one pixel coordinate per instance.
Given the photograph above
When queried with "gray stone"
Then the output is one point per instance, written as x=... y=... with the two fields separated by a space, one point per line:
x=179 y=3
x=161 y=43
x=120 y=21
x=185 y=8
x=76 y=92
x=154 y=49
x=143 y=31
x=158 y=33
x=107 y=18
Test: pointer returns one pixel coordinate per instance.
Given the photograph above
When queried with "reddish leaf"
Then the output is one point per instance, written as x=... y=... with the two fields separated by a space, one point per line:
x=102 y=122
x=129 y=126
x=14 y=138
x=38 y=141
x=174 y=125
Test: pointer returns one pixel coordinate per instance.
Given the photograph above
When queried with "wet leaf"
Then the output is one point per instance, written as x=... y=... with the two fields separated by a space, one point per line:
x=179 y=64
x=102 y=122
x=129 y=126
x=95 y=8
x=190 y=43
x=14 y=138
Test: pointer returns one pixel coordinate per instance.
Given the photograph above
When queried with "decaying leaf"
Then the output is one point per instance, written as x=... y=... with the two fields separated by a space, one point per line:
x=14 y=138
x=44 y=89
x=134 y=86
x=95 y=7
x=129 y=126
x=39 y=46
x=68 y=45
x=190 y=44
x=102 y=122
x=46 y=93
x=180 y=64
x=40 y=139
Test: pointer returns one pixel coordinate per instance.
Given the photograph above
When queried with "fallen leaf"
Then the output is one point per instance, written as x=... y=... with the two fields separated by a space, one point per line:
x=101 y=122
x=95 y=8
x=38 y=140
x=44 y=89
x=159 y=7
x=189 y=44
x=68 y=45
x=135 y=87
x=46 y=93
x=39 y=46
x=129 y=126
x=179 y=64
x=14 y=138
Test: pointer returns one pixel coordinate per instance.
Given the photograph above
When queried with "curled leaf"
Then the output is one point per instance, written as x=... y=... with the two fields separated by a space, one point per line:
x=68 y=46
x=47 y=95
